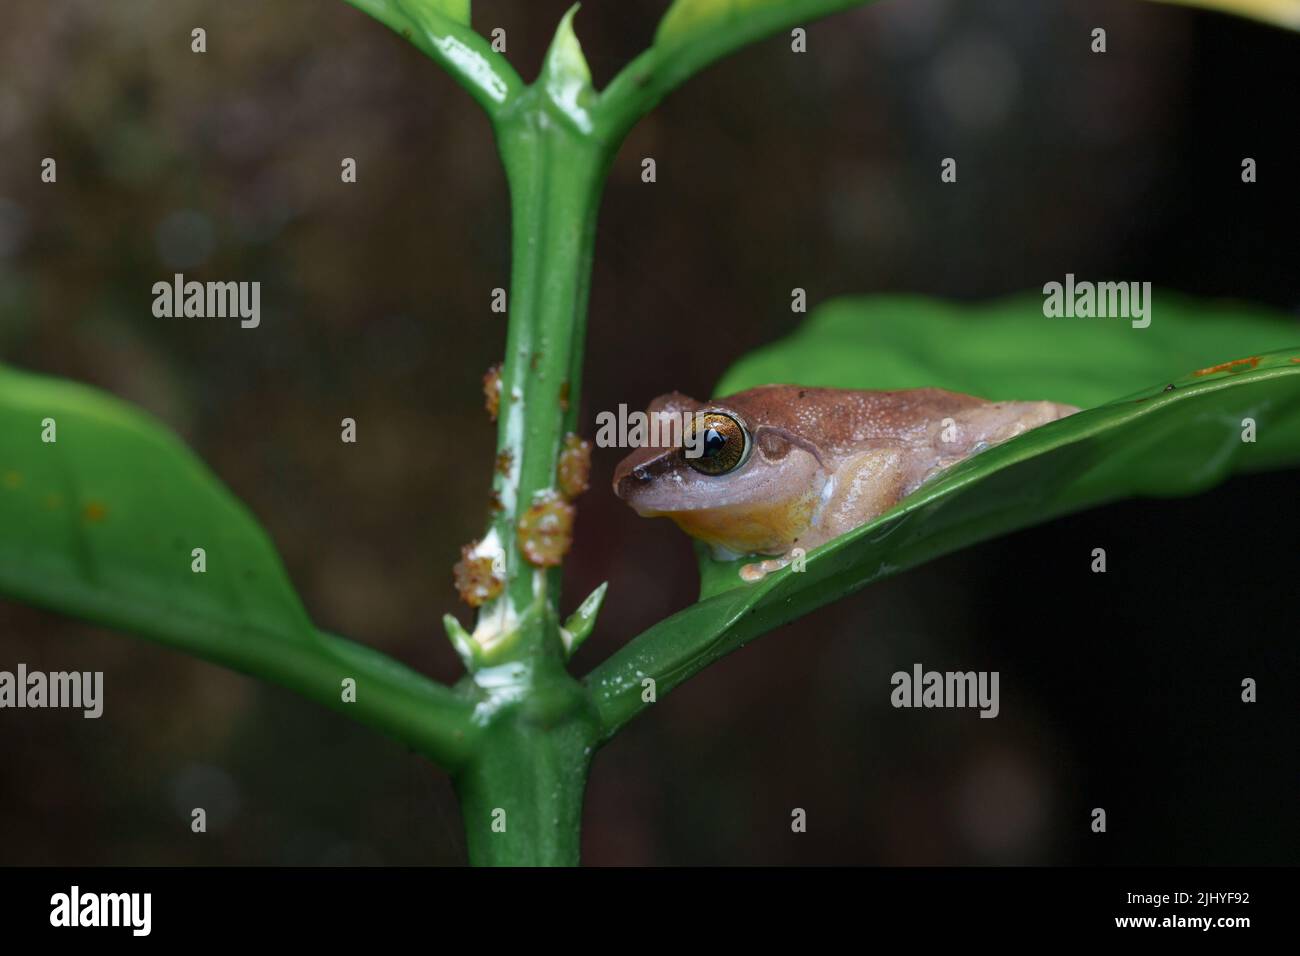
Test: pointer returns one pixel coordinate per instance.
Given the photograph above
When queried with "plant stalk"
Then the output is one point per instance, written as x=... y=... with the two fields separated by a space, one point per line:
x=521 y=792
x=521 y=796
x=555 y=175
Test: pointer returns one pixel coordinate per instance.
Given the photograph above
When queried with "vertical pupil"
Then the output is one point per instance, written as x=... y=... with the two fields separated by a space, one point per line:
x=713 y=442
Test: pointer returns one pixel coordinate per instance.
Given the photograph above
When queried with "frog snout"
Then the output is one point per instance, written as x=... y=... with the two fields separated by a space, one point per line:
x=640 y=475
x=628 y=479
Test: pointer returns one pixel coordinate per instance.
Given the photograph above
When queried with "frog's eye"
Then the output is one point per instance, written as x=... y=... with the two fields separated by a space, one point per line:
x=716 y=444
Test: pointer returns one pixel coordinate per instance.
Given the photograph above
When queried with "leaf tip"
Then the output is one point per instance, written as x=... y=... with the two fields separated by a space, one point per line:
x=461 y=640
x=583 y=621
x=565 y=62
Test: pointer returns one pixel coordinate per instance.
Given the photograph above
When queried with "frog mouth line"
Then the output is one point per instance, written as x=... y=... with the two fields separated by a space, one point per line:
x=628 y=482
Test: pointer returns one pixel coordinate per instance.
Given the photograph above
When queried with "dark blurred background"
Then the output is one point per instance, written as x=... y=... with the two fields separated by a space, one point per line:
x=1118 y=690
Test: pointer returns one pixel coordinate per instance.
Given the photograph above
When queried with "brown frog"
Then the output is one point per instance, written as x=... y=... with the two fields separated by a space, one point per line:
x=782 y=467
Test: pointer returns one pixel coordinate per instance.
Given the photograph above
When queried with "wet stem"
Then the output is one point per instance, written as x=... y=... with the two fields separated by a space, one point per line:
x=521 y=790
x=556 y=176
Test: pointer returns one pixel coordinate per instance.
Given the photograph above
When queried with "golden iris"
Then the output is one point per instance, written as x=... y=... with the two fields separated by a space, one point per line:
x=722 y=441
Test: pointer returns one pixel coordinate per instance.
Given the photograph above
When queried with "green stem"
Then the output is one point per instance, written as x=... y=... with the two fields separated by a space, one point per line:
x=521 y=794
x=449 y=41
x=521 y=790
x=555 y=175
x=684 y=45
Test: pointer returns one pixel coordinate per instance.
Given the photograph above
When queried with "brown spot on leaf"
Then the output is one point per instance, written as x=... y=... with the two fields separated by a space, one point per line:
x=94 y=512
x=476 y=582
x=1236 y=365
x=574 y=466
x=12 y=479
x=545 y=531
x=494 y=502
x=492 y=391
x=505 y=458
x=564 y=396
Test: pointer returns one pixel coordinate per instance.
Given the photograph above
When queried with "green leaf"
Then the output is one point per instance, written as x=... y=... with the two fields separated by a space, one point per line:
x=102 y=523
x=1281 y=13
x=441 y=30
x=583 y=621
x=566 y=75
x=456 y=11
x=699 y=23
x=110 y=511
x=691 y=35
x=1135 y=437
x=1007 y=349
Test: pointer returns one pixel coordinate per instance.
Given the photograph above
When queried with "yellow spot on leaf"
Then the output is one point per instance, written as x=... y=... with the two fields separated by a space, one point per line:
x=13 y=479
x=94 y=512
x=1236 y=365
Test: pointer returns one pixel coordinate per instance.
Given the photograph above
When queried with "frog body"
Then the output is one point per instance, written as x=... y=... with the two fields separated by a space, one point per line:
x=784 y=467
